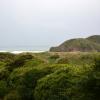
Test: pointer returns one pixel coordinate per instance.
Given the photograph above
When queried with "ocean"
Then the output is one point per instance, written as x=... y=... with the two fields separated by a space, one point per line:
x=20 y=49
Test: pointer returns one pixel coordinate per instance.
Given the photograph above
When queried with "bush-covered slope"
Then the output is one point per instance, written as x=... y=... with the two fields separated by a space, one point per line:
x=94 y=38
x=50 y=76
x=89 y=44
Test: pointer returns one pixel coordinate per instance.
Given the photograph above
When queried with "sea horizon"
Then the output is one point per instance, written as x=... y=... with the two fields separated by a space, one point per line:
x=21 y=49
x=25 y=48
x=18 y=52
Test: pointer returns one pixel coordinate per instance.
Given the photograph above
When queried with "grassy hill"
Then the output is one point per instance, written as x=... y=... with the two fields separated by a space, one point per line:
x=94 y=38
x=91 y=43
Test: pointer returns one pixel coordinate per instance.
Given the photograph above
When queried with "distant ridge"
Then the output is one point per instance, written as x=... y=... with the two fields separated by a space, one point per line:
x=91 y=43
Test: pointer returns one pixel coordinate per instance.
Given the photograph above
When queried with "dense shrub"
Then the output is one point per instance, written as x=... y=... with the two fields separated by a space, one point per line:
x=6 y=57
x=97 y=63
x=62 y=61
x=13 y=95
x=25 y=79
x=64 y=77
x=3 y=89
x=19 y=61
x=4 y=73
x=55 y=56
x=91 y=87
x=56 y=86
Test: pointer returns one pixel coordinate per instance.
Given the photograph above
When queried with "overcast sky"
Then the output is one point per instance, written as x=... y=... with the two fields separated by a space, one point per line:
x=47 y=22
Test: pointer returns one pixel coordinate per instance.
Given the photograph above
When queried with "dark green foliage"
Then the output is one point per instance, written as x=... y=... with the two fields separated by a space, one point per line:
x=56 y=56
x=92 y=84
x=4 y=73
x=3 y=89
x=13 y=95
x=25 y=79
x=97 y=63
x=6 y=57
x=50 y=76
x=23 y=60
x=20 y=60
x=53 y=87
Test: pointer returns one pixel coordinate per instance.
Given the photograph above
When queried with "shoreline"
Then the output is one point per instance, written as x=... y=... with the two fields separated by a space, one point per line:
x=18 y=52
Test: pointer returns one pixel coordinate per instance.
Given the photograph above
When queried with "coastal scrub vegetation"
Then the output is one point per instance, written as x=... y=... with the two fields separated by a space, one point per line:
x=50 y=76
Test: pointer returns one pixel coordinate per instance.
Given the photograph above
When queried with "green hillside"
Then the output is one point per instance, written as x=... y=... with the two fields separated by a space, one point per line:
x=91 y=43
x=94 y=38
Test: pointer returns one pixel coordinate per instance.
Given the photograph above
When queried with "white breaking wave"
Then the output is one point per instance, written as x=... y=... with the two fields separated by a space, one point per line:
x=17 y=52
